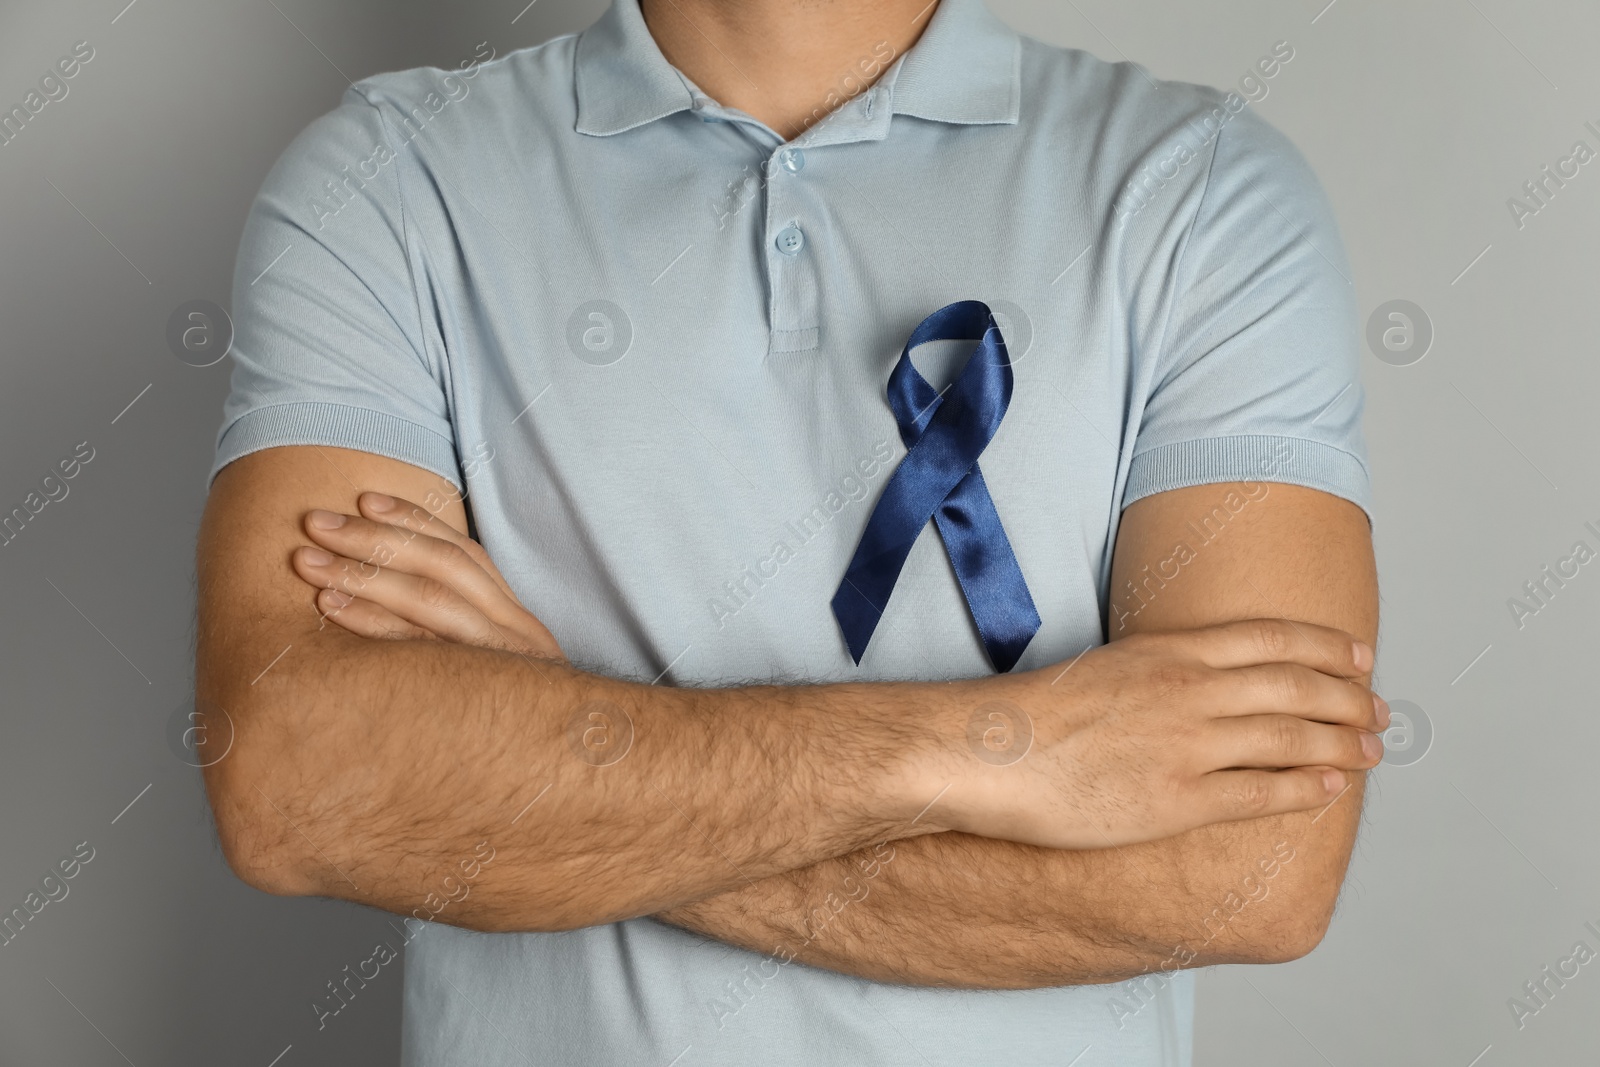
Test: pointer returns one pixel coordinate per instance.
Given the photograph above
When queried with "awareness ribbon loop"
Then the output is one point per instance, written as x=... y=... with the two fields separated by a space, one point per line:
x=939 y=479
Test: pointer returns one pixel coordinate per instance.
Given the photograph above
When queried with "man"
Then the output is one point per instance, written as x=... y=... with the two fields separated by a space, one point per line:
x=554 y=435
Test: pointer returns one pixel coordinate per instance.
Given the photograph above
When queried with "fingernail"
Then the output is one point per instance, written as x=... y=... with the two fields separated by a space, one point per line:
x=337 y=599
x=1362 y=655
x=1333 y=781
x=316 y=557
x=326 y=520
x=1371 y=745
x=380 y=502
x=1382 y=707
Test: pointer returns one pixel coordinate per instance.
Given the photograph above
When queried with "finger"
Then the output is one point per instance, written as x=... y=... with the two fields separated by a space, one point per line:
x=1296 y=690
x=419 y=600
x=366 y=619
x=1230 y=795
x=1254 y=641
x=380 y=507
x=394 y=547
x=1280 y=741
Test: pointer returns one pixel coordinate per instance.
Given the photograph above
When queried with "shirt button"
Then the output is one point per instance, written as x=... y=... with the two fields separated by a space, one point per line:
x=791 y=241
x=793 y=160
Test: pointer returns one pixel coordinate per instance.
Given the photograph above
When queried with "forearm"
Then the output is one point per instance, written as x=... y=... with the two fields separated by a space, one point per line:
x=373 y=767
x=367 y=769
x=968 y=912
x=965 y=911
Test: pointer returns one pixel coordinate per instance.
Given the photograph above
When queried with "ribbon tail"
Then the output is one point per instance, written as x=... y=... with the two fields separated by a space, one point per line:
x=908 y=502
x=858 y=613
x=987 y=569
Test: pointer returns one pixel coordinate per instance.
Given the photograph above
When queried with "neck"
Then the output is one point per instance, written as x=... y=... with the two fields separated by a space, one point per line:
x=785 y=62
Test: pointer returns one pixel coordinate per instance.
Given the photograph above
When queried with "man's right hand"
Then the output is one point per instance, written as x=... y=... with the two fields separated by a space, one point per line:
x=1157 y=734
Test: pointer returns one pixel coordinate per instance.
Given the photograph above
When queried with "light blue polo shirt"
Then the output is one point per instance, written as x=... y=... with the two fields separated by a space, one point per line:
x=652 y=340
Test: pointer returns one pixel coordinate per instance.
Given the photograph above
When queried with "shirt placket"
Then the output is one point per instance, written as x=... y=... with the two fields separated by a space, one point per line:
x=794 y=250
x=796 y=235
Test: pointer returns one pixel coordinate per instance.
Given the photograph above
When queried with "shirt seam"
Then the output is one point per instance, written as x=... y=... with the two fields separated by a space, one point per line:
x=406 y=250
x=400 y=199
x=1183 y=250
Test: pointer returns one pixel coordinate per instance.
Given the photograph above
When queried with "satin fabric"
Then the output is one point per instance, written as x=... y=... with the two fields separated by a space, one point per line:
x=939 y=479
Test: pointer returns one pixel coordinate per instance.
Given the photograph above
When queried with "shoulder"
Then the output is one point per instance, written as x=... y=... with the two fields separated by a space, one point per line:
x=406 y=120
x=535 y=78
x=1150 y=139
x=472 y=96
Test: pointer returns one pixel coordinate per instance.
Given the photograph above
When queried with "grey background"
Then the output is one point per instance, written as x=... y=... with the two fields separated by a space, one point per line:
x=1477 y=867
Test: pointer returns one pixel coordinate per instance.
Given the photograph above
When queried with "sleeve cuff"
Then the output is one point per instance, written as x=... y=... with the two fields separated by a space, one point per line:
x=1255 y=457
x=336 y=426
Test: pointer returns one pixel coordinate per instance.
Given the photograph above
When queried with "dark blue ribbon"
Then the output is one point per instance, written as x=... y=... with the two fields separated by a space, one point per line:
x=939 y=479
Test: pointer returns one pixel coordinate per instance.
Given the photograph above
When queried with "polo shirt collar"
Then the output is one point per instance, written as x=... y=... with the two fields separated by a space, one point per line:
x=965 y=68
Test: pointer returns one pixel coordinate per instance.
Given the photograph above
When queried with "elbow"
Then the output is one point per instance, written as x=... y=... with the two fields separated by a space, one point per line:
x=257 y=867
x=252 y=831
x=252 y=847
x=1288 y=941
x=1289 y=934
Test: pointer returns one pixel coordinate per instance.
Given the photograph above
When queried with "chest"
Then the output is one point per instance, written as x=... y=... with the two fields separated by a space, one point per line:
x=670 y=402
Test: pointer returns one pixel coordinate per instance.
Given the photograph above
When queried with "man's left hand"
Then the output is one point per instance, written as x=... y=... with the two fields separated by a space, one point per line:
x=395 y=571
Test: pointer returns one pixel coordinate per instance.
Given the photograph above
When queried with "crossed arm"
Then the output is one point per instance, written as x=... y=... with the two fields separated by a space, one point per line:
x=956 y=910
x=939 y=908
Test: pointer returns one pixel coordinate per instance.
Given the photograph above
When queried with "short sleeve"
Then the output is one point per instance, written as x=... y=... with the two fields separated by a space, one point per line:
x=1257 y=368
x=329 y=344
